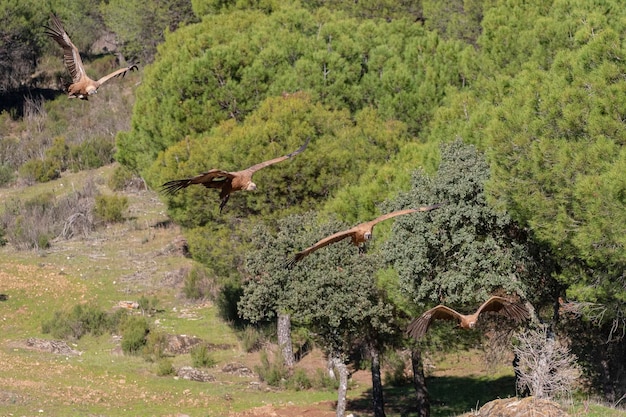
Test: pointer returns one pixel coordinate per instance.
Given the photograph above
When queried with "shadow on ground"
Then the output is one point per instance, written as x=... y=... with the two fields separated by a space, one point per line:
x=449 y=396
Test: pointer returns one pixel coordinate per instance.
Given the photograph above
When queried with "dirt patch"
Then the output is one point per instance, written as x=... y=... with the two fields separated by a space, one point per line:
x=323 y=409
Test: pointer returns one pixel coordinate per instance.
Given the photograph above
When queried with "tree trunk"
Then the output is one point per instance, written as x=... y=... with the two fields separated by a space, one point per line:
x=419 y=381
x=284 y=339
x=377 y=384
x=342 y=370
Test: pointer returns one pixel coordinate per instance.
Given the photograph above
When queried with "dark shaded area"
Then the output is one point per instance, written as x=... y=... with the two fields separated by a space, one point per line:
x=13 y=101
x=4 y=297
x=449 y=396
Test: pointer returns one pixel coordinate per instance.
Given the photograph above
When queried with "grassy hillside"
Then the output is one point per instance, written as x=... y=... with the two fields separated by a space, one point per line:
x=126 y=261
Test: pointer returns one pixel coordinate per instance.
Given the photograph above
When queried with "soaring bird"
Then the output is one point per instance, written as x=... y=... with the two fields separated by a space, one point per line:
x=359 y=233
x=82 y=86
x=228 y=182
x=516 y=311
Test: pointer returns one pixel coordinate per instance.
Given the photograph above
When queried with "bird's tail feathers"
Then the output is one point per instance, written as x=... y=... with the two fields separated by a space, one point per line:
x=171 y=187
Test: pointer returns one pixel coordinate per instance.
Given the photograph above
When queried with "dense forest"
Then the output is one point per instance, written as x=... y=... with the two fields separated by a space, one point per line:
x=510 y=113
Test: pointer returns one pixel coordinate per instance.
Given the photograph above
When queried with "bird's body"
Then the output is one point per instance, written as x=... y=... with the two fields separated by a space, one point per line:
x=227 y=181
x=82 y=86
x=358 y=234
x=419 y=326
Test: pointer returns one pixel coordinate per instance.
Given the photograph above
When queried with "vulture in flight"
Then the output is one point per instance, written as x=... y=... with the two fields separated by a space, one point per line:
x=82 y=86
x=359 y=233
x=228 y=182
x=419 y=326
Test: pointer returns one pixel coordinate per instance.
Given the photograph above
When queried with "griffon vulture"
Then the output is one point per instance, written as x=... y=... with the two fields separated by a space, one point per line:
x=419 y=326
x=82 y=86
x=227 y=182
x=359 y=233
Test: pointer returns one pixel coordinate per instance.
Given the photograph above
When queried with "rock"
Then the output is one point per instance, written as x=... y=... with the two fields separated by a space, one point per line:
x=237 y=369
x=53 y=346
x=180 y=344
x=516 y=407
x=193 y=374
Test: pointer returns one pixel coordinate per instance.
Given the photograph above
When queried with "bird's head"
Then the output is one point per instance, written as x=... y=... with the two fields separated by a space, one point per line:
x=472 y=324
x=91 y=90
x=367 y=235
x=251 y=186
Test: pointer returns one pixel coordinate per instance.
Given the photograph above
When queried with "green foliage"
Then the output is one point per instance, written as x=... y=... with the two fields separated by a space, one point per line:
x=272 y=373
x=164 y=367
x=332 y=292
x=37 y=170
x=82 y=319
x=299 y=380
x=198 y=284
x=141 y=25
x=134 y=334
x=90 y=154
x=110 y=208
x=465 y=250
x=201 y=356
x=251 y=338
x=122 y=177
x=232 y=62
x=154 y=348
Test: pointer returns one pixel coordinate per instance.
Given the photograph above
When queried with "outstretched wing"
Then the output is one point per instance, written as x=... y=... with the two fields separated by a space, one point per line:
x=324 y=242
x=121 y=71
x=258 y=166
x=210 y=179
x=71 y=56
x=419 y=326
x=501 y=305
x=403 y=212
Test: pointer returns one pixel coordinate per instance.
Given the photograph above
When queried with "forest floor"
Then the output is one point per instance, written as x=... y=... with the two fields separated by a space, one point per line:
x=141 y=257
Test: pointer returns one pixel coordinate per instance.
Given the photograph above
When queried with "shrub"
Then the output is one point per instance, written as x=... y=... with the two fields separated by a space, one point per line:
x=122 y=178
x=154 y=349
x=544 y=366
x=91 y=154
x=80 y=320
x=6 y=175
x=147 y=305
x=273 y=374
x=198 y=284
x=395 y=374
x=299 y=381
x=251 y=338
x=323 y=381
x=37 y=170
x=200 y=356
x=164 y=367
x=134 y=333
x=110 y=208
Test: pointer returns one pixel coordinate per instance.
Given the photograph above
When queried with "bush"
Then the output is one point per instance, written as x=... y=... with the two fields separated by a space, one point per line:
x=299 y=381
x=80 y=320
x=110 y=209
x=251 y=338
x=134 y=333
x=198 y=284
x=91 y=154
x=37 y=170
x=544 y=366
x=200 y=356
x=273 y=374
x=154 y=349
x=6 y=175
x=122 y=178
x=164 y=367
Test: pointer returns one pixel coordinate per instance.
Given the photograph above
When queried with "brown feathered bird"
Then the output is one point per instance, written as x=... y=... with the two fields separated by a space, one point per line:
x=419 y=326
x=228 y=182
x=82 y=86
x=359 y=233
